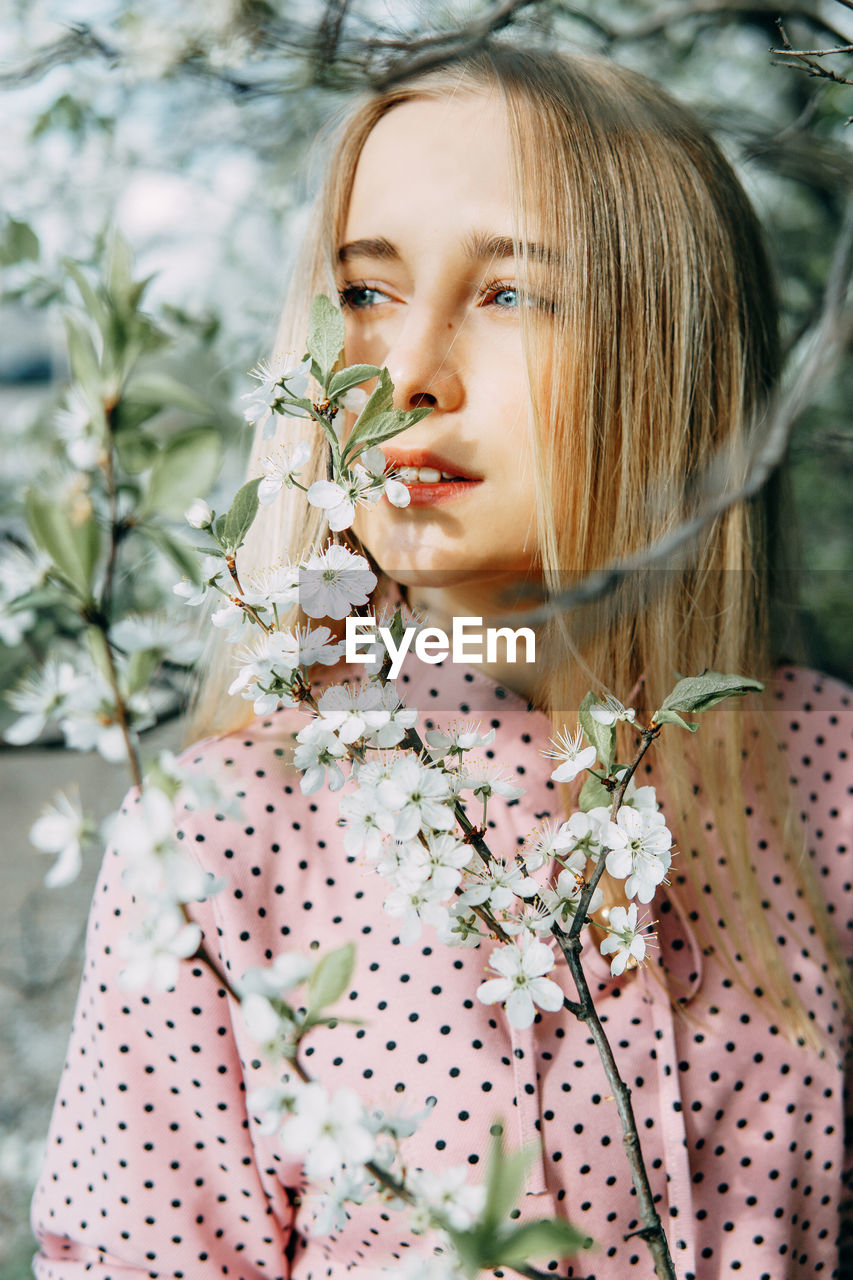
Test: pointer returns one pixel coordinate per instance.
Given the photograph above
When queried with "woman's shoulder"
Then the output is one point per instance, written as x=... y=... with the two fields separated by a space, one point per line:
x=243 y=792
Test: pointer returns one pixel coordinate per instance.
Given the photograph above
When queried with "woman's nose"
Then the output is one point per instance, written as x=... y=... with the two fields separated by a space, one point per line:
x=424 y=366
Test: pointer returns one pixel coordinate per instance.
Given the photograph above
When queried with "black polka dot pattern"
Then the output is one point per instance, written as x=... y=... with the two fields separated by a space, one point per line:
x=154 y=1167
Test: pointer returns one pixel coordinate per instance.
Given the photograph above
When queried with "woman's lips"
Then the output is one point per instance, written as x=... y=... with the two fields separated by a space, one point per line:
x=428 y=489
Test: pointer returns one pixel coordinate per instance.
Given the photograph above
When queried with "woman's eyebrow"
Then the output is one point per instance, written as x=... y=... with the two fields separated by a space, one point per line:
x=477 y=244
x=371 y=247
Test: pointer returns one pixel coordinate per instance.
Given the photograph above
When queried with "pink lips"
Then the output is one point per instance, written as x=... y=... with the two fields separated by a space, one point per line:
x=430 y=495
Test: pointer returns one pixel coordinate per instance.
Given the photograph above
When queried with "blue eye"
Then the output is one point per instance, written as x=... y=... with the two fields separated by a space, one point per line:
x=359 y=296
x=506 y=297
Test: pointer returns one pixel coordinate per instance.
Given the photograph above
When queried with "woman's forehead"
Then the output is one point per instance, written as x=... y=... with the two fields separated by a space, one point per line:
x=427 y=159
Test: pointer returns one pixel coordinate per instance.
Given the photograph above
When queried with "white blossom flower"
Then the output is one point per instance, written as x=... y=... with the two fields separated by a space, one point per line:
x=643 y=798
x=457 y=739
x=363 y=834
x=61 y=830
x=522 y=984
x=461 y=928
x=497 y=885
x=625 y=939
x=272 y=587
x=446 y=851
x=275 y=980
x=272 y=656
x=15 y=623
x=446 y=1197
x=264 y=401
x=639 y=845
x=400 y=719
x=155 y=865
x=76 y=429
x=198 y=515
x=271 y=1027
x=272 y=1104
x=318 y=645
x=40 y=696
x=611 y=710
x=544 y=844
x=574 y=755
x=229 y=618
x=20 y=573
x=422 y=902
x=314 y=758
x=444 y=1266
x=562 y=901
x=195 y=593
x=91 y=721
x=395 y=491
x=155 y=633
x=486 y=781
x=328 y=1210
x=281 y=469
x=415 y=796
x=347 y=711
x=339 y=501
x=328 y=1131
x=584 y=833
x=331 y=582
x=154 y=951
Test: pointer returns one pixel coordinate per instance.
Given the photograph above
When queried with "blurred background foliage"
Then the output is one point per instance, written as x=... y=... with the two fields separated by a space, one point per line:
x=182 y=136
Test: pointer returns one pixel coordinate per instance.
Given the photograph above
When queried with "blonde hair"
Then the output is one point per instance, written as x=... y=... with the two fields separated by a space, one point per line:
x=661 y=352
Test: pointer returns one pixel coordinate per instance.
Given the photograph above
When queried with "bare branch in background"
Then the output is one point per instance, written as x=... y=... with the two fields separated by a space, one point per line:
x=341 y=52
x=805 y=60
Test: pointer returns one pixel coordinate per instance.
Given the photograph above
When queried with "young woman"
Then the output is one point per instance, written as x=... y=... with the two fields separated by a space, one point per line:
x=551 y=255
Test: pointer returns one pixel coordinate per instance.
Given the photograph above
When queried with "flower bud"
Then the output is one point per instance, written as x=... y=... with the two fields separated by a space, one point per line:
x=199 y=514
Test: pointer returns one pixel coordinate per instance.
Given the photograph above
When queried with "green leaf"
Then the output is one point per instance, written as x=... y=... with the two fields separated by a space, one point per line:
x=326 y=333
x=239 y=519
x=331 y=978
x=183 y=556
x=600 y=736
x=161 y=389
x=18 y=243
x=140 y=668
x=184 y=469
x=378 y=419
x=593 y=794
x=92 y=300
x=700 y=693
x=547 y=1237
x=128 y=418
x=353 y=376
x=505 y=1176
x=73 y=548
x=136 y=451
x=668 y=716
x=82 y=356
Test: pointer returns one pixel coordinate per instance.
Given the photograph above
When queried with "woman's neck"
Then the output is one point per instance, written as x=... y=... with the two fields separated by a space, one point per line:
x=483 y=604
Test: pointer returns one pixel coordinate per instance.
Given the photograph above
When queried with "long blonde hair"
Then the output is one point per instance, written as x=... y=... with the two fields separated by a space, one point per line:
x=660 y=355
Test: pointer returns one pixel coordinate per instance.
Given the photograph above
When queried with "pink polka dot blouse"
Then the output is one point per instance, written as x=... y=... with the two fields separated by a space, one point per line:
x=155 y=1166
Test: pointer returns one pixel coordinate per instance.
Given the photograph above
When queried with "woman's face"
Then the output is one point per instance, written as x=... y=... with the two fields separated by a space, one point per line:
x=429 y=288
